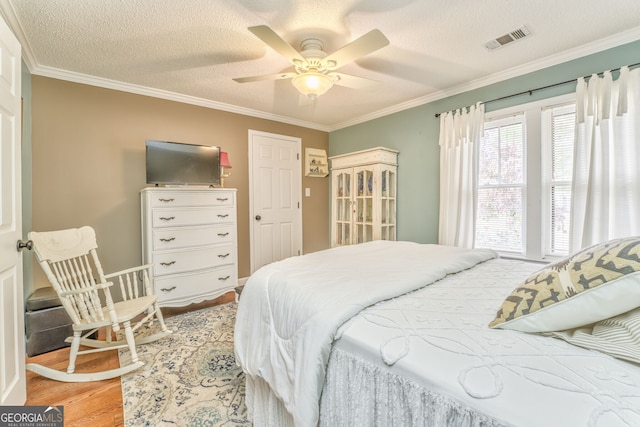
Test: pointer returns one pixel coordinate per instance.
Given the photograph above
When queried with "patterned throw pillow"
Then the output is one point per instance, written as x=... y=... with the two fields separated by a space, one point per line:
x=589 y=286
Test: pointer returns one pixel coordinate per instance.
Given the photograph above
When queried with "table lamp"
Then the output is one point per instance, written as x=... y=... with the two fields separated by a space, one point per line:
x=225 y=165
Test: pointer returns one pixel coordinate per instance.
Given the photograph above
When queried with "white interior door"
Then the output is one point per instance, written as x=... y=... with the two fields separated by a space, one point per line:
x=275 y=180
x=12 y=350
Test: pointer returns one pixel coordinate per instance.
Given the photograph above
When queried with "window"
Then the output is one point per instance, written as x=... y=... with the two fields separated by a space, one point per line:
x=558 y=125
x=500 y=198
x=524 y=179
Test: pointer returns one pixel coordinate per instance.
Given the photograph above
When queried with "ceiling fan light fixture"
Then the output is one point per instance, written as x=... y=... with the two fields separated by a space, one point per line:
x=312 y=84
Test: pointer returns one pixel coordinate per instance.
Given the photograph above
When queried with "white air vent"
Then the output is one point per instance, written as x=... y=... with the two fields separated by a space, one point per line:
x=514 y=35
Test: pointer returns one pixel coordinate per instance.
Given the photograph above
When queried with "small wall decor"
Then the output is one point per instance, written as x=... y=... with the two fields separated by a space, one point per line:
x=315 y=162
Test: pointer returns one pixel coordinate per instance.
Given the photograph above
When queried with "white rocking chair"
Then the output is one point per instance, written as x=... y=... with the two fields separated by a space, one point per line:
x=70 y=261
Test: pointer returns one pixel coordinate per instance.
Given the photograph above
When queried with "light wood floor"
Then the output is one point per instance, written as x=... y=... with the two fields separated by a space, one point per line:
x=98 y=404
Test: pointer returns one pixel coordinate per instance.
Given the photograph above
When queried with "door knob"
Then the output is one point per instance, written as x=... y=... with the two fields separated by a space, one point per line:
x=258 y=217
x=20 y=245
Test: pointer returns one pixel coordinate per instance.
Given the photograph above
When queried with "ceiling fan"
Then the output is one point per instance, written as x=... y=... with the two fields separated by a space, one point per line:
x=315 y=69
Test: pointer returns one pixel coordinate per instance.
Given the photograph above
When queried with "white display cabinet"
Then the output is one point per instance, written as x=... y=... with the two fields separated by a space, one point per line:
x=363 y=186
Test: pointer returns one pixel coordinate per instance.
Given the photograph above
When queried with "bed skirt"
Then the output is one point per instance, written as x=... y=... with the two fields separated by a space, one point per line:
x=357 y=392
x=264 y=407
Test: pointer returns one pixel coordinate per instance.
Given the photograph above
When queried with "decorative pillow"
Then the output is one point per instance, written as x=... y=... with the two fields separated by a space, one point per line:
x=617 y=336
x=589 y=286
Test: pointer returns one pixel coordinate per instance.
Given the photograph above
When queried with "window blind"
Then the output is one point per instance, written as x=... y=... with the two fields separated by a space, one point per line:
x=562 y=137
x=500 y=197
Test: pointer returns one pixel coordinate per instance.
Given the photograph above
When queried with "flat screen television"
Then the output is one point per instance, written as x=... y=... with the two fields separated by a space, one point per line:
x=173 y=163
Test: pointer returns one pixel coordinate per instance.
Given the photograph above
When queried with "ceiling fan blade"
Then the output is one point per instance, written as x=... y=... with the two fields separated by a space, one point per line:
x=353 y=82
x=279 y=76
x=358 y=48
x=277 y=43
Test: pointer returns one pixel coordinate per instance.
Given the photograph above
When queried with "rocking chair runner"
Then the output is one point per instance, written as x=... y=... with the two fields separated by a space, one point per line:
x=70 y=261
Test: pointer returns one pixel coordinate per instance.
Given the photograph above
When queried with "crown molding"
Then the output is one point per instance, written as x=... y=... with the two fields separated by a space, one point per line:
x=74 y=77
x=9 y=14
x=7 y=11
x=579 y=52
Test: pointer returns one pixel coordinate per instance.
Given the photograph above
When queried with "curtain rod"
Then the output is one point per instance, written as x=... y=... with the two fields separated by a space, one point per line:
x=530 y=91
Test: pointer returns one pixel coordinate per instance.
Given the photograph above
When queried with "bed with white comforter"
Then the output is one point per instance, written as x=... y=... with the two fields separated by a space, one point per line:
x=395 y=334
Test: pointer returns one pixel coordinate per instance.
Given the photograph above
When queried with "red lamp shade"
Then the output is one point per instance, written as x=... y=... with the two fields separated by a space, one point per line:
x=224 y=160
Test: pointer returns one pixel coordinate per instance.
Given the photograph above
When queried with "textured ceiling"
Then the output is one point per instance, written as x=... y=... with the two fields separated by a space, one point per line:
x=190 y=50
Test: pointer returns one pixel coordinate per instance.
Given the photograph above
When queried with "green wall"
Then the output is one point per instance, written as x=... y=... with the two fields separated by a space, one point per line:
x=414 y=133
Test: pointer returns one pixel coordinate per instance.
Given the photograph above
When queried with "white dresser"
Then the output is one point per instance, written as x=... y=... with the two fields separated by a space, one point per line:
x=189 y=234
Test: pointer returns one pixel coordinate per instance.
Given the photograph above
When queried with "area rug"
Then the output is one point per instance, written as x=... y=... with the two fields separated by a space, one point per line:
x=190 y=378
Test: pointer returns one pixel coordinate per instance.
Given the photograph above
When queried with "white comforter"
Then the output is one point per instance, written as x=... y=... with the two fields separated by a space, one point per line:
x=429 y=358
x=290 y=310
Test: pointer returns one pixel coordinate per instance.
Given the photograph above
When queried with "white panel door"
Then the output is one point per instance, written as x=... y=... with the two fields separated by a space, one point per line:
x=12 y=350
x=275 y=182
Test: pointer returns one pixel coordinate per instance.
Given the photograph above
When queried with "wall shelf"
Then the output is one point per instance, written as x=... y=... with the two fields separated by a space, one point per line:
x=315 y=163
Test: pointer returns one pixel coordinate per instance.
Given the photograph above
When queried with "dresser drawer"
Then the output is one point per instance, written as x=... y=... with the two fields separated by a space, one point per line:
x=184 y=237
x=191 y=198
x=190 y=216
x=179 y=261
x=194 y=284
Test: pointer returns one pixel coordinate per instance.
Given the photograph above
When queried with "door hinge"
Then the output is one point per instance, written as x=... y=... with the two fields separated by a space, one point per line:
x=297 y=156
x=298 y=205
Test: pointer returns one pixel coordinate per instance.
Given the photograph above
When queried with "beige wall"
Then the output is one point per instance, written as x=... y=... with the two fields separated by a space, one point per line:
x=89 y=164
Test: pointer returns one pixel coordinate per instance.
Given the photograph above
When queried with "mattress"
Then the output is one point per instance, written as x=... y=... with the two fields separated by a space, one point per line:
x=428 y=358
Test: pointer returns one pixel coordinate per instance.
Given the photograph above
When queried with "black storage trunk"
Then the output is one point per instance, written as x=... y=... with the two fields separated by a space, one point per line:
x=46 y=321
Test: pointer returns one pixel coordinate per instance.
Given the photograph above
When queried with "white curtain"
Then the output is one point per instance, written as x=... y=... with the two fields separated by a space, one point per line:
x=460 y=133
x=606 y=172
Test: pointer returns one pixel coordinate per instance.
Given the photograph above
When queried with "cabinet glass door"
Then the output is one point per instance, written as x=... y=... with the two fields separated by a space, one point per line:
x=343 y=206
x=364 y=205
x=388 y=205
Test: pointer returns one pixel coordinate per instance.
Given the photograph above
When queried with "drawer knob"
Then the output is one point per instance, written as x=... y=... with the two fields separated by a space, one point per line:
x=166 y=264
x=167 y=218
x=223 y=278
x=223 y=234
x=167 y=289
x=222 y=199
x=223 y=255
x=168 y=240
x=166 y=200
x=223 y=215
